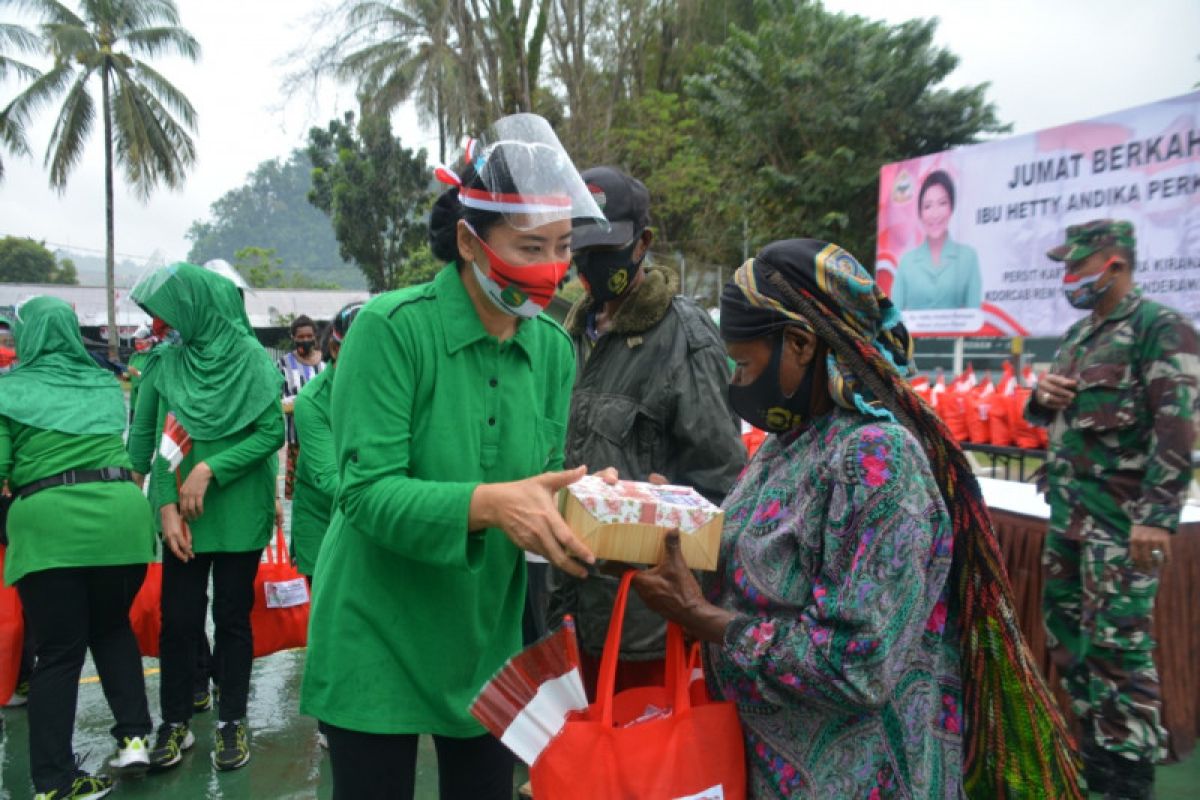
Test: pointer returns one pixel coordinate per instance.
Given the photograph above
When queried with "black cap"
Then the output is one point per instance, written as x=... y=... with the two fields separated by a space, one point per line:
x=625 y=203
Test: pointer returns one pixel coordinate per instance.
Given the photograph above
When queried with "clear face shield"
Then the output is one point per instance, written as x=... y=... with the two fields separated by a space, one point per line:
x=220 y=266
x=524 y=174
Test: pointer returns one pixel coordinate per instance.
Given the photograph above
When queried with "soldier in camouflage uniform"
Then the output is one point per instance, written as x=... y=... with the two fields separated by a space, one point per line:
x=1120 y=405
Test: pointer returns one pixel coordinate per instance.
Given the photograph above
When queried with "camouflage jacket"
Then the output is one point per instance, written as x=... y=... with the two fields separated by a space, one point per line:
x=1121 y=453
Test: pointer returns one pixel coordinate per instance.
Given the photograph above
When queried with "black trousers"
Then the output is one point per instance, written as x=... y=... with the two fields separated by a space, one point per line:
x=184 y=603
x=373 y=766
x=72 y=610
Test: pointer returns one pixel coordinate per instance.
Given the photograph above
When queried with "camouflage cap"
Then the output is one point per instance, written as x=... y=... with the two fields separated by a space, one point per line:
x=1090 y=237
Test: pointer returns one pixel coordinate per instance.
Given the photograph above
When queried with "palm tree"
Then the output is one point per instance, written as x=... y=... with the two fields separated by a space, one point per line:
x=406 y=50
x=20 y=40
x=145 y=118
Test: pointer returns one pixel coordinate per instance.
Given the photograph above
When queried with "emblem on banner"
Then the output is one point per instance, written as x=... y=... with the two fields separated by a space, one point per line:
x=902 y=189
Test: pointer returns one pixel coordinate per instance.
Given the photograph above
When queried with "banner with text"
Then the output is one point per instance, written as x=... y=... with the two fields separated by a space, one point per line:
x=963 y=234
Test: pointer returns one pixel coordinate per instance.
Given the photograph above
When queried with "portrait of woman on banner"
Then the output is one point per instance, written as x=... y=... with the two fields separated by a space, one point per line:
x=939 y=272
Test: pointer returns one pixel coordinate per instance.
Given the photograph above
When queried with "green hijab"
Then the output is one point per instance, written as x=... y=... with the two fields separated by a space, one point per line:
x=219 y=379
x=56 y=385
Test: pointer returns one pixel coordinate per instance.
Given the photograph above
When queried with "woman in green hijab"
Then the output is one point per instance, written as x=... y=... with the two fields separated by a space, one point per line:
x=80 y=538
x=216 y=499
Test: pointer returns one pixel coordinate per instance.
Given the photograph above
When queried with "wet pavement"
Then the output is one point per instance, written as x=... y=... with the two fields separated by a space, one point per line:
x=286 y=761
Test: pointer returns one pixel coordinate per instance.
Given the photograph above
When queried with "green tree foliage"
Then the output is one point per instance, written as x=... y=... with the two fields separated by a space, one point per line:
x=463 y=62
x=144 y=118
x=15 y=39
x=261 y=269
x=377 y=193
x=27 y=261
x=811 y=105
x=271 y=211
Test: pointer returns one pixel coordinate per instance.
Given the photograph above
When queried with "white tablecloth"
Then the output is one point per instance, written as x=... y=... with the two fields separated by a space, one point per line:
x=1023 y=498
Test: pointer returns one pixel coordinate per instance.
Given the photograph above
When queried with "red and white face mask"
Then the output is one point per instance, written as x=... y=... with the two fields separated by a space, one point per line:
x=523 y=291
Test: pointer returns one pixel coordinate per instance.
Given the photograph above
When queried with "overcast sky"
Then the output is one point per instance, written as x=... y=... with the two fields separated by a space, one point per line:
x=1048 y=63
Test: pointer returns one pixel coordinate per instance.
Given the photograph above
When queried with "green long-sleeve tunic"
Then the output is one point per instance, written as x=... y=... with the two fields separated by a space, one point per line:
x=239 y=506
x=85 y=525
x=412 y=612
x=316 y=471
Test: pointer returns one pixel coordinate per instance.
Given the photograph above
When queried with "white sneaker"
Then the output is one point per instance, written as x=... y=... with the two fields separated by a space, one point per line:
x=133 y=753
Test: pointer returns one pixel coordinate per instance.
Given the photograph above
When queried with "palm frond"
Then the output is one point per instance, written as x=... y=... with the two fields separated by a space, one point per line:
x=19 y=38
x=37 y=94
x=166 y=93
x=18 y=68
x=380 y=14
x=66 y=41
x=150 y=145
x=124 y=16
x=152 y=42
x=47 y=10
x=70 y=130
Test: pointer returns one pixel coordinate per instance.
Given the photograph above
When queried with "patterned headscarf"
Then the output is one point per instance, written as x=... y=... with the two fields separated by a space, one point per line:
x=754 y=305
x=1015 y=742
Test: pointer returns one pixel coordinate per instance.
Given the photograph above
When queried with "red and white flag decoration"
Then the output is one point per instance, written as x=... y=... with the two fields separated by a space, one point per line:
x=176 y=442
x=527 y=703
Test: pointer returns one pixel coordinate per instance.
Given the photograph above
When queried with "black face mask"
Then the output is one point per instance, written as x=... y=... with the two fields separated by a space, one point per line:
x=764 y=405
x=607 y=274
x=305 y=348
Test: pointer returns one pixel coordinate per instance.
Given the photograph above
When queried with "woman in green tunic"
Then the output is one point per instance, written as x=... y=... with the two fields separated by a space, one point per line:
x=80 y=538
x=316 y=466
x=449 y=413
x=217 y=504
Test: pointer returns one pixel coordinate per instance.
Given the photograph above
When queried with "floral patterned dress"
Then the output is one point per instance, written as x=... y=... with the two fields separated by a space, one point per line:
x=842 y=661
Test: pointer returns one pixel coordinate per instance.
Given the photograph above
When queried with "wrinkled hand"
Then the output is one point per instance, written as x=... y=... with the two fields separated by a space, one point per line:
x=527 y=512
x=191 y=493
x=1056 y=392
x=671 y=589
x=1143 y=541
x=176 y=533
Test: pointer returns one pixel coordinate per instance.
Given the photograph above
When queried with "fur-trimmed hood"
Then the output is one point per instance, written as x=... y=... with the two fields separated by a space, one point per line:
x=645 y=307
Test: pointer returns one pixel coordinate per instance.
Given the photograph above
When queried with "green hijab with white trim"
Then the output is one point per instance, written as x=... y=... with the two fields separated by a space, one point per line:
x=218 y=379
x=56 y=385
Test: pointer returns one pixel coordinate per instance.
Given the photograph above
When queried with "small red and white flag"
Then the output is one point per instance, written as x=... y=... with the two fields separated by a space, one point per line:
x=1028 y=378
x=527 y=703
x=176 y=442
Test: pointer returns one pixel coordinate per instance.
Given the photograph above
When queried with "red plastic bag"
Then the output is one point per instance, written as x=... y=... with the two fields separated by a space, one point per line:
x=279 y=619
x=951 y=409
x=145 y=615
x=12 y=637
x=652 y=742
x=1024 y=434
x=998 y=420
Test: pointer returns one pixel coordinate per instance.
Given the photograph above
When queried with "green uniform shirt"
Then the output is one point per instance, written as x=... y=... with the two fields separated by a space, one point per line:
x=85 y=525
x=316 y=471
x=953 y=283
x=1121 y=453
x=239 y=506
x=412 y=613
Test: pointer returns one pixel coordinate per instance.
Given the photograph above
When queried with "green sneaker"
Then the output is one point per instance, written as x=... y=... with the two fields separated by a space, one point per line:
x=83 y=787
x=233 y=747
x=173 y=739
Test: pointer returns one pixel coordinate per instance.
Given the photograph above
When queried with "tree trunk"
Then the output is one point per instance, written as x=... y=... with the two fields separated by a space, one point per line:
x=110 y=281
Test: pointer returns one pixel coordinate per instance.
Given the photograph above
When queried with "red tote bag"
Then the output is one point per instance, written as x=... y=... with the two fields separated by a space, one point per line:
x=279 y=618
x=12 y=637
x=145 y=615
x=647 y=743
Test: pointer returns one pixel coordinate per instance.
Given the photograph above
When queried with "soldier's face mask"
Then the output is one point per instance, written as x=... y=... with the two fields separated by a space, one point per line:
x=608 y=273
x=762 y=402
x=1084 y=293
